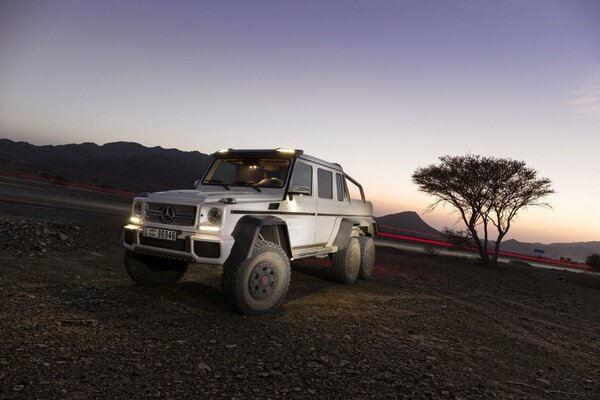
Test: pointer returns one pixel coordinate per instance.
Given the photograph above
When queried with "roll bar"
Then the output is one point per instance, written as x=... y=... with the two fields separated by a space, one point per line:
x=355 y=182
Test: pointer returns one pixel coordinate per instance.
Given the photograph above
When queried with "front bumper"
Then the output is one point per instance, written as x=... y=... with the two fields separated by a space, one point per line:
x=189 y=246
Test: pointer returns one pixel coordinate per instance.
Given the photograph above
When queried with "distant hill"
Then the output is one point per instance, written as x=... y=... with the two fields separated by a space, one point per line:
x=577 y=251
x=410 y=222
x=124 y=165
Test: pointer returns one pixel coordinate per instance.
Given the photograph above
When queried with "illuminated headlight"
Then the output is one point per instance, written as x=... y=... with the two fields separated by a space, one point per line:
x=137 y=209
x=214 y=216
x=209 y=228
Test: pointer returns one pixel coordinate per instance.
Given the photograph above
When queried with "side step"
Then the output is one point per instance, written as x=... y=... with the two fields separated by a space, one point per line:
x=312 y=252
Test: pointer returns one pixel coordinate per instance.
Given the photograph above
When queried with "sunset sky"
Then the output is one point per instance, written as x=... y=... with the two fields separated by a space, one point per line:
x=382 y=87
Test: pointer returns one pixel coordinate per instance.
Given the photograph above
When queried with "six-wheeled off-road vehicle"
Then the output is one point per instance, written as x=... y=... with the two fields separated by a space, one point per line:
x=253 y=212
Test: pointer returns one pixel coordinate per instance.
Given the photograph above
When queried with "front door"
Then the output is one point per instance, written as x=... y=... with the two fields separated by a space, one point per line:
x=327 y=206
x=300 y=211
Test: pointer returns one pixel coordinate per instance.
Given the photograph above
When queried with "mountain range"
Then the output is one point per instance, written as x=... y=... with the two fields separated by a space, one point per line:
x=123 y=165
x=409 y=223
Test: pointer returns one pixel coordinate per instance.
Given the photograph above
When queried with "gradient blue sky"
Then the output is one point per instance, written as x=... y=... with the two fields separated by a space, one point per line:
x=381 y=87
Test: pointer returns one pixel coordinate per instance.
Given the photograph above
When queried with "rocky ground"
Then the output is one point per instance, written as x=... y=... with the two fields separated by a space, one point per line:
x=38 y=238
x=72 y=325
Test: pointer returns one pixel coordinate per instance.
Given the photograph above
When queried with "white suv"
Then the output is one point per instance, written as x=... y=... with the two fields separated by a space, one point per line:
x=253 y=212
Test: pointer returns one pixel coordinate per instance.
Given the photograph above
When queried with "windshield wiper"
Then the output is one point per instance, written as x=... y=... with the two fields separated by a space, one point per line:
x=242 y=183
x=217 y=181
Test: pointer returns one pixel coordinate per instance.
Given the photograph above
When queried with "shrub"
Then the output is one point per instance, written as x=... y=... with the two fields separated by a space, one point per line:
x=430 y=251
x=459 y=239
x=593 y=260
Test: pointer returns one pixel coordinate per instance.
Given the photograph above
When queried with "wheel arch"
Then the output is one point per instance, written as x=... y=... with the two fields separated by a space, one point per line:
x=246 y=233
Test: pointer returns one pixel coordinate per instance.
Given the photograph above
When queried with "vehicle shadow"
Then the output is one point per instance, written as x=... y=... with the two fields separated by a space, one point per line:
x=199 y=292
x=310 y=276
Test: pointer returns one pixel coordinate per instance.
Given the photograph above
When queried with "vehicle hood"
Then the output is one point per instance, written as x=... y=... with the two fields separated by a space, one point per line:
x=199 y=197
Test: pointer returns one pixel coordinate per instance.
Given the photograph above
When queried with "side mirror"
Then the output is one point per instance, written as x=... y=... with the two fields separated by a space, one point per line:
x=299 y=190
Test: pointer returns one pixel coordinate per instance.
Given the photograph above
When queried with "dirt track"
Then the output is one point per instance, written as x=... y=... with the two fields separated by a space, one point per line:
x=73 y=325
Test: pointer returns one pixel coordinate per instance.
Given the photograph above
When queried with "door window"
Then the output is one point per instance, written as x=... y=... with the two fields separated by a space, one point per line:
x=302 y=177
x=325 y=183
x=339 y=185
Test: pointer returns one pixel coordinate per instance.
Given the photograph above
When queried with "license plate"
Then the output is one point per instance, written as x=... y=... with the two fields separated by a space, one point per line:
x=164 y=234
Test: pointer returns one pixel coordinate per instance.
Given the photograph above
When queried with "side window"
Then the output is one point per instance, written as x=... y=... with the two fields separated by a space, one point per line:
x=339 y=185
x=325 y=183
x=302 y=177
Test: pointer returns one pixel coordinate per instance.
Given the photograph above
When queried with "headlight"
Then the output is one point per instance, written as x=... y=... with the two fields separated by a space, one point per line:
x=214 y=216
x=137 y=208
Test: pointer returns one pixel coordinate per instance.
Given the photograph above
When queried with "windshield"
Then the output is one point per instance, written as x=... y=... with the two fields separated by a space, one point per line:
x=247 y=171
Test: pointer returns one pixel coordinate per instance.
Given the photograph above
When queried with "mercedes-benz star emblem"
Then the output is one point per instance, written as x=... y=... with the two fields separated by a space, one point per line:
x=167 y=214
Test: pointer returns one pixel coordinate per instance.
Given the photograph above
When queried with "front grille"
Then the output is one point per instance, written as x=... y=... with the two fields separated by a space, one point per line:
x=178 y=244
x=184 y=215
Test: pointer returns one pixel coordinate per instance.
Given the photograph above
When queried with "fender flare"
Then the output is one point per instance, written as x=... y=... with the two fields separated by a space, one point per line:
x=344 y=232
x=246 y=233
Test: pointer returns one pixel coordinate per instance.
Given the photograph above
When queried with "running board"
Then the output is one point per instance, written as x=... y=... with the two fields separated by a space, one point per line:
x=312 y=252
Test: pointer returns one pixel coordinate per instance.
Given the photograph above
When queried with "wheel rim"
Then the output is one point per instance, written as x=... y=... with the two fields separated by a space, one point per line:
x=263 y=280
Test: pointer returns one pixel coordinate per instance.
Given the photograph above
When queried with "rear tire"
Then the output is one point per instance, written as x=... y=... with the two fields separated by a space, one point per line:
x=152 y=271
x=259 y=284
x=345 y=263
x=367 y=257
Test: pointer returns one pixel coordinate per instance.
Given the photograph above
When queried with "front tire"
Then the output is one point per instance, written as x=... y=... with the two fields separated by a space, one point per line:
x=152 y=271
x=345 y=263
x=259 y=284
x=367 y=257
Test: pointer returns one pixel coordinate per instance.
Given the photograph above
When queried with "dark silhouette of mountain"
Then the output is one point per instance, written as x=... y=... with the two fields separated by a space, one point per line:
x=121 y=164
x=577 y=251
x=410 y=222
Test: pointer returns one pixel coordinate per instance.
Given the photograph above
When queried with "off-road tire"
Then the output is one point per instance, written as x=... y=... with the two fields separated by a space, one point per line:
x=345 y=263
x=367 y=257
x=152 y=271
x=259 y=284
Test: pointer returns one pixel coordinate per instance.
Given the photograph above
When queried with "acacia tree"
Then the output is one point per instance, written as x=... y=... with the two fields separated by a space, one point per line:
x=487 y=192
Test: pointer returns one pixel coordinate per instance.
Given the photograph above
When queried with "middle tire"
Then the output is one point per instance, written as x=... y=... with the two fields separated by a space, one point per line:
x=259 y=284
x=367 y=257
x=345 y=263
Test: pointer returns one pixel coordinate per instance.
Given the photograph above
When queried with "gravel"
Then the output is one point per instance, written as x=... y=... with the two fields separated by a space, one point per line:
x=74 y=326
x=35 y=238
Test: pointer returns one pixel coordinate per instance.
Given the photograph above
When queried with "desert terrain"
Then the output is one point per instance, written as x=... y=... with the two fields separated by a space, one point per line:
x=73 y=325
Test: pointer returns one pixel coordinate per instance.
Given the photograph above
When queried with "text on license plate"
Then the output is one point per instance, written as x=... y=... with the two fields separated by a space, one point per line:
x=160 y=233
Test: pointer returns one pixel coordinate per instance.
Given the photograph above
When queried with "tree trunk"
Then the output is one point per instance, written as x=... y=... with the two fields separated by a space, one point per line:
x=483 y=255
x=497 y=249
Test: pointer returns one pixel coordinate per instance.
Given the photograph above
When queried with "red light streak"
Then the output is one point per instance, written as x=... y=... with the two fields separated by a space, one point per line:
x=473 y=249
x=414 y=239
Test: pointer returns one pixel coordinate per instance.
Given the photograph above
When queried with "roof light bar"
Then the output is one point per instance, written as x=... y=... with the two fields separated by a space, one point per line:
x=223 y=150
x=286 y=151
